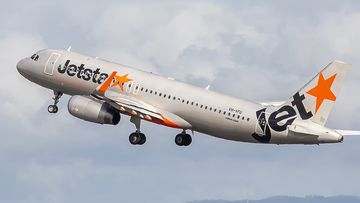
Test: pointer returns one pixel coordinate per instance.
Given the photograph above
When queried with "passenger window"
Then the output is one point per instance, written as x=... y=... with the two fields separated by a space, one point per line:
x=128 y=87
x=136 y=90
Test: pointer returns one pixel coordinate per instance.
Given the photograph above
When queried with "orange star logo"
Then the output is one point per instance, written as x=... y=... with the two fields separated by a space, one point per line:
x=120 y=80
x=323 y=90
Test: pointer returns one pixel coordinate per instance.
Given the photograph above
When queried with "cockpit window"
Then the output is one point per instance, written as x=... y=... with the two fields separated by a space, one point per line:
x=35 y=57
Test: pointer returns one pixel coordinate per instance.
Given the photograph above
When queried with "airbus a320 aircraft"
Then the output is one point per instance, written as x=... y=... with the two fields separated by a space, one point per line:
x=102 y=90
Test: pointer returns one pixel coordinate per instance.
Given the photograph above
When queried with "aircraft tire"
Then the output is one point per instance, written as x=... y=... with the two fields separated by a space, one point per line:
x=137 y=138
x=56 y=109
x=143 y=139
x=188 y=140
x=52 y=109
x=183 y=139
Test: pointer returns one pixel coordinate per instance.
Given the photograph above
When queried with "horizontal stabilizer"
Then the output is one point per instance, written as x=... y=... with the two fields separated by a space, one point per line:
x=348 y=132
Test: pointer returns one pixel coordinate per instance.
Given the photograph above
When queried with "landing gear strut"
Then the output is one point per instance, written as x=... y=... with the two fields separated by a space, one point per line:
x=54 y=108
x=137 y=138
x=183 y=139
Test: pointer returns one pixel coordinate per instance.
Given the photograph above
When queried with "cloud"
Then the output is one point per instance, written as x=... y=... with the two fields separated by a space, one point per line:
x=18 y=104
x=258 y=51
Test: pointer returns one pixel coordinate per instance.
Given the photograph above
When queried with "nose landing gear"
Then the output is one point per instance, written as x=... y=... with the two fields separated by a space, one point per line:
x=54 y=108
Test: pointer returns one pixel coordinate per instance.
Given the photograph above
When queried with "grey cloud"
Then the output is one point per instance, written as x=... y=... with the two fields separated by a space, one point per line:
x=260 y=51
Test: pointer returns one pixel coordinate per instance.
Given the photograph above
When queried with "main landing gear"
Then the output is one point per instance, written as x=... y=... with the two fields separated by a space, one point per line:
x=54 y=108
x=183 y=139
x=139 y=138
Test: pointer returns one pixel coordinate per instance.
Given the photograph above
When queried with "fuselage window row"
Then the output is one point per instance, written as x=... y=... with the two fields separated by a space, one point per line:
x=192 y=103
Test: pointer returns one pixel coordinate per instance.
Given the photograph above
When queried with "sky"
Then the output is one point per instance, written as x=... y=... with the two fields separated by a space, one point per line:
x=256 y=50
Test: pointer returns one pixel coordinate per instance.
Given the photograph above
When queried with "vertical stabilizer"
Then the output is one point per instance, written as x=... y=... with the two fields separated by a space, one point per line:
x=319 y=95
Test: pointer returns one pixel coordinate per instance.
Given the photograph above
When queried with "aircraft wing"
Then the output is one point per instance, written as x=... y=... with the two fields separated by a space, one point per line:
x=134 y=107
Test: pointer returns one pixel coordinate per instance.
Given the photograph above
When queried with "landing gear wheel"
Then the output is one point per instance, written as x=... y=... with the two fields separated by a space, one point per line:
x=183 y=139
x=53 y=109
x=188 y=140
x=143 y=139
x=137 y=138
x=56 y=109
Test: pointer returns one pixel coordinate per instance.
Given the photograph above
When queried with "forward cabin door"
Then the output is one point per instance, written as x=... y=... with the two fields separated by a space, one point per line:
x=50 y=64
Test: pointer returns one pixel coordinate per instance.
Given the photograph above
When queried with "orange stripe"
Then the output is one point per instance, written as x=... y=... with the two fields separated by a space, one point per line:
x=169 y=123
x=107 y=82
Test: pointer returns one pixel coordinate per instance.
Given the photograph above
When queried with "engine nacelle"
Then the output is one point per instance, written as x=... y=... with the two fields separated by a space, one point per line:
x=93 y=111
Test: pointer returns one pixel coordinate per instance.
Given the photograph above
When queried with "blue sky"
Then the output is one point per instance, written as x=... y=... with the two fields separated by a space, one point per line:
x=256 y=50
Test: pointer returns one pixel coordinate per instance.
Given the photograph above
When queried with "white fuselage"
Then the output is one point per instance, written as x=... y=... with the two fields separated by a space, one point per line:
x=206 y=111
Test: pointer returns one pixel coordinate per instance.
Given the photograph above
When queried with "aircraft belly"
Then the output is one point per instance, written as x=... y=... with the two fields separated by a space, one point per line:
x=221 y=128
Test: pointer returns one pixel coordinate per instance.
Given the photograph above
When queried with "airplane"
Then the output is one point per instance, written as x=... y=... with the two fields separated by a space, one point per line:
x=102 y=91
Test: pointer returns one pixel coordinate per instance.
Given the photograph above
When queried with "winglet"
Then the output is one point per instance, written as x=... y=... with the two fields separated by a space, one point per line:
x=107 y=83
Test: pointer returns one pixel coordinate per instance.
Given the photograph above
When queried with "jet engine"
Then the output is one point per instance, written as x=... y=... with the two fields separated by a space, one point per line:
x=93 y=111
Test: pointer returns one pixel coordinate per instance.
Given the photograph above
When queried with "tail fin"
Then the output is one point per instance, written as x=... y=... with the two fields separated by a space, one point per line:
x=316 y=99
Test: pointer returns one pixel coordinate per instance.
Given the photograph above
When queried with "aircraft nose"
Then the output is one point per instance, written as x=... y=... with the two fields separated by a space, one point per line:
x=22 y=66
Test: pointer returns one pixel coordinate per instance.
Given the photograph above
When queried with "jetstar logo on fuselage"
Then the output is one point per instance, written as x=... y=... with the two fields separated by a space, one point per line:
x=279 y=120
x=83 y=73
